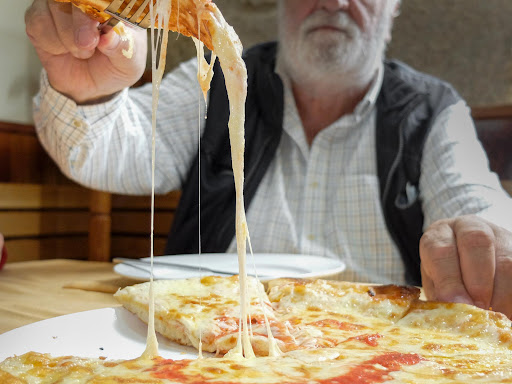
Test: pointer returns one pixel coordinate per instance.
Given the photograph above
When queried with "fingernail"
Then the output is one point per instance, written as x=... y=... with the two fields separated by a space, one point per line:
x=85 y=37
x=461 y=299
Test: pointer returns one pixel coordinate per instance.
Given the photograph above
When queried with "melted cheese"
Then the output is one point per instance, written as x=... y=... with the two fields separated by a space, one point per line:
x=206 y=310
x=126 y=36
x=228 y=48
x=204 y=70
x=159 y=37
x=301 y=367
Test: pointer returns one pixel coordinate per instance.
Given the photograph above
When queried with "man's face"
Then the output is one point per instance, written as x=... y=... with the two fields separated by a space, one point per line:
x=322 y=38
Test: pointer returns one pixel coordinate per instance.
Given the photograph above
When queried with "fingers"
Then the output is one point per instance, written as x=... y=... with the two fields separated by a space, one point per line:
x=440 y=265
x=85 y=32
x=476 y=246
x=58 y=28
x=502 y=295
x=77 y=32
x=122 y=47
x=42 y=30
x=126 y=52
x=468 y=260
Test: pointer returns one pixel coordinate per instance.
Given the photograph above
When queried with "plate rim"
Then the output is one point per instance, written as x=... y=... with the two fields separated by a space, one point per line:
x=337 y=266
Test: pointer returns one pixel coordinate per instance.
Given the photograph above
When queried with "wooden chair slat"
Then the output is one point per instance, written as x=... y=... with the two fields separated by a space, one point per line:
x=43 y=223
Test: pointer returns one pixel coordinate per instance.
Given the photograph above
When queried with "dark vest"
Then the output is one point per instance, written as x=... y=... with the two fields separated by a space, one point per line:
x=407 y=106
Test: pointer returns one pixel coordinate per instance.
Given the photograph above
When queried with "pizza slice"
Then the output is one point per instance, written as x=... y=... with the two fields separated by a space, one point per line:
x=193 y=18
x=208 y=310
x=324 y=313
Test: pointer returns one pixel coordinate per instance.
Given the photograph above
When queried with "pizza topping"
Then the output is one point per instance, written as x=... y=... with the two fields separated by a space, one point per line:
x=376 y=370
x=370 y=340
x=332 y=323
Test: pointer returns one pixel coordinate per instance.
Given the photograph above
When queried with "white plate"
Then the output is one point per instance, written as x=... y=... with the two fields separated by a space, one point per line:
x=111 y=332
x=268 y=266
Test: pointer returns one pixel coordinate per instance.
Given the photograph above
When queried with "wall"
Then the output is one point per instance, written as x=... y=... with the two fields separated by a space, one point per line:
x=19 y=65
x=466 y=42
x=253 y=20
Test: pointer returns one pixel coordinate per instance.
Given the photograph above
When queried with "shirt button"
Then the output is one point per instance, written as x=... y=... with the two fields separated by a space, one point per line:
x=314 y=184
x=77 y=123
x=311 y=237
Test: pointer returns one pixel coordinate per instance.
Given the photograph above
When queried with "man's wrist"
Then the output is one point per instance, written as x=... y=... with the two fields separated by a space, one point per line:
x=99 y=100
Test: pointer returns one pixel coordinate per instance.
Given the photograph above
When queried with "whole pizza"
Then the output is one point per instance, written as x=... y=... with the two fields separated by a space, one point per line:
x=325 y=332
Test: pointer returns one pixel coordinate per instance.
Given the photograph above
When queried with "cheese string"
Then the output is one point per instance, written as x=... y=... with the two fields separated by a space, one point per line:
x=159 y=39
x=199 y=48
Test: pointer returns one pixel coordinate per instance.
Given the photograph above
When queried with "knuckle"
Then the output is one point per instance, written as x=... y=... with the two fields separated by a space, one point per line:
x=504 y=266
x=480 y=291
x=35 y=23
x=447 y=282
x=432 y=247
x=478 y=238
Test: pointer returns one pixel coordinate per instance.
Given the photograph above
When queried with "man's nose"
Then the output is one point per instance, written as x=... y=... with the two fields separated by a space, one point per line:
x=333 y=5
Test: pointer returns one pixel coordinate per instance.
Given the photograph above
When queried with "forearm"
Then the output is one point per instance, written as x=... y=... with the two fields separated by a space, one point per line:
x=108 y=146
x=81 y=139
x=456 y=179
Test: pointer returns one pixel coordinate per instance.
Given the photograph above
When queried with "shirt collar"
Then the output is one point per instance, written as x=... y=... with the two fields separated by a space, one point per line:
x=369 y=100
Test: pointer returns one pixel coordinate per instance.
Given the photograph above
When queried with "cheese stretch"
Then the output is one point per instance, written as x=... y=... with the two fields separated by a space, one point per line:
x=228 y=48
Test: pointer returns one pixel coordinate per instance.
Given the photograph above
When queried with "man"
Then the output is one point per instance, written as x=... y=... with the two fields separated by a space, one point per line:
x=346 y=156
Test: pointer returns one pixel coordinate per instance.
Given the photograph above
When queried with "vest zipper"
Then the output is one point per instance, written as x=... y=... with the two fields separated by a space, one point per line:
x=412 y=104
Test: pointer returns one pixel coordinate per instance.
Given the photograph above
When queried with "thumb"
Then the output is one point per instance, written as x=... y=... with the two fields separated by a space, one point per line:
x=118 y=46
x=86 y=34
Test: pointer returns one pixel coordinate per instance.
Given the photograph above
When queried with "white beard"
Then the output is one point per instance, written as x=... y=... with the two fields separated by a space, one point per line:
x=318 y=57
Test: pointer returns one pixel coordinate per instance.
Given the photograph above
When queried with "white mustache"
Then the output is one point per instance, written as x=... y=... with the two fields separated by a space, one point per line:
x=338 y=20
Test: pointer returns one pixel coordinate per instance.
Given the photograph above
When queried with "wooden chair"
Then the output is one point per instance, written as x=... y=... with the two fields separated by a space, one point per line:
x=69 y=221
x=44 y=221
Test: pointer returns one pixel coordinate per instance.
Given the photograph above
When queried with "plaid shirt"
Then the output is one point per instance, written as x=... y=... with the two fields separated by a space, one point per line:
x=319 y=199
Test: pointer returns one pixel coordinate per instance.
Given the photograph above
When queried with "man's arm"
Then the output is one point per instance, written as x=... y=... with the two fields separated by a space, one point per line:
x=97 y=131
x=466 y=253
x=107 y=146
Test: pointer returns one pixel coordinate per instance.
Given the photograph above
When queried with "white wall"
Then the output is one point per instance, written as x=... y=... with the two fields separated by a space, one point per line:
x=19 y=65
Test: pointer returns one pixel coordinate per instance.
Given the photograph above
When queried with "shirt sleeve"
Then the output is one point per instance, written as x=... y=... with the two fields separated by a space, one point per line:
x=107 y=146
x=455 y=178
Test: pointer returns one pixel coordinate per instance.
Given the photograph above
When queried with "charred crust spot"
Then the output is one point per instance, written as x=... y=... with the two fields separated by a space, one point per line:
x=395 y=292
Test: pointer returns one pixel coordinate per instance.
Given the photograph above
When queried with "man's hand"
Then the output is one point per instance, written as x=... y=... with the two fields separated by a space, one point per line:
x=81 y=62
x=468 y=260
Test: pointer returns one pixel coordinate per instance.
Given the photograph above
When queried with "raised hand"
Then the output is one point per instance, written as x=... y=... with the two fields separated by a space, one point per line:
x=82 y=62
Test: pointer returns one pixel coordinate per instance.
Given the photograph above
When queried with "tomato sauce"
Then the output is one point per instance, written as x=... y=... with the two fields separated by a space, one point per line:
x=373 y=371
x=369 y=373
x=370 y=340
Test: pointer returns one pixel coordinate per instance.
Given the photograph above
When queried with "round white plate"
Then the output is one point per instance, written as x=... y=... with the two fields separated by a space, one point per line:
x=268 y=266
x=114 y=333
